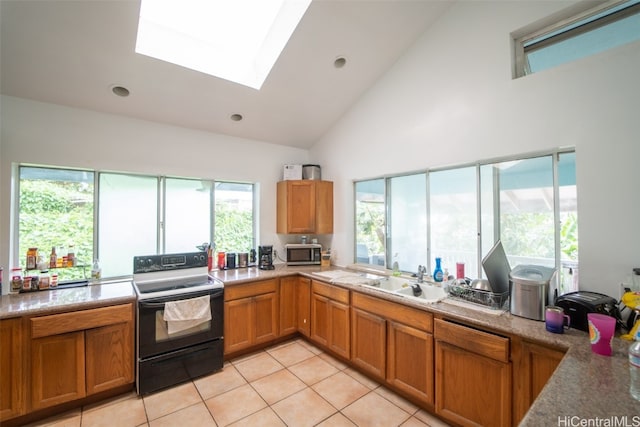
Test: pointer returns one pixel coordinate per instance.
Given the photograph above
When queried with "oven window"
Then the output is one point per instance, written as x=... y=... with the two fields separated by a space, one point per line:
x=162 y=330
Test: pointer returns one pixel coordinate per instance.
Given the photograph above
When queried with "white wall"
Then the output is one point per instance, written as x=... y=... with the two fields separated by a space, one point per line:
x=451 y=99
x=47 y=134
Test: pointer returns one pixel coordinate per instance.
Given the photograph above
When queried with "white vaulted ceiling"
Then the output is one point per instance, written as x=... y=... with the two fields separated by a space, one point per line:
x=73 y=52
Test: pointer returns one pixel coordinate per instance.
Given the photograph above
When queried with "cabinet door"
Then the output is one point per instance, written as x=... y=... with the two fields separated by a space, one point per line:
x=109 y=357
x=536 y=365
x=288 y=300
x=57 y=369
x=368 y=342
x=320 y=319
x=324 y=207
x=472 y=389
x=303 y=306
x=12 y=389
x=410 y=365
x=296 y=210
x=266 y=317
x=238 y=321
x=339 y=329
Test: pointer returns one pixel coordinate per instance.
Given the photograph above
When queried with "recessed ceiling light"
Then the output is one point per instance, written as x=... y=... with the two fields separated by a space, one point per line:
x=120 y=91
x=238 y=41
x=236 y=117
x=340 y=62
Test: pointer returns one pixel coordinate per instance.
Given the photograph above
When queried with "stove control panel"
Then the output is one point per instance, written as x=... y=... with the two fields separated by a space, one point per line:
x=167 y=262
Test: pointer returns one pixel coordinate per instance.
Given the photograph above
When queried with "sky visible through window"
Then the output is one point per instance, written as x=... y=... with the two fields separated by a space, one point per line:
x=588 y=43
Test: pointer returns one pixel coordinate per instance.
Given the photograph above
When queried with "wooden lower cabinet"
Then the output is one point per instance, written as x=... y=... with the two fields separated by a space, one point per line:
x=77 y=354
x=303 y=306
x=330 y=321
x=473 y=376
x=410 y=361
x=533 y=366
x=57 y=369
x=12 y=387
x=369 y=342
x=266 y=318
x=107 y=357
x=393 y=343
x=288 y=305
x=251 y=315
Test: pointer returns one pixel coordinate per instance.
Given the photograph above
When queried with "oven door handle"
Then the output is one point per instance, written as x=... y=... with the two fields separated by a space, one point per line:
x=152 y=304
x=161 y=304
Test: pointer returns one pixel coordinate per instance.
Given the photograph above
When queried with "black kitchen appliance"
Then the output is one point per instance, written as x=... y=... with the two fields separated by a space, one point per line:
x=578 y=304
x=265 y=257
x=303 y=254
x=166 y=356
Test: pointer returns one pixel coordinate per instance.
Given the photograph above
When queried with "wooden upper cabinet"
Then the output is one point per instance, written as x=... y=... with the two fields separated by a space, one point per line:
x=305 y=206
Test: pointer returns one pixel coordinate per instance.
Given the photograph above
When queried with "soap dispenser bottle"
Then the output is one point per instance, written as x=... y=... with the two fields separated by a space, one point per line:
x=437 y=273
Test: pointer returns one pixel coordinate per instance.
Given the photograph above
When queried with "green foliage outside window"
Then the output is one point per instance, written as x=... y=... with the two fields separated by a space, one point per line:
x=234 y=229
x=60 y=214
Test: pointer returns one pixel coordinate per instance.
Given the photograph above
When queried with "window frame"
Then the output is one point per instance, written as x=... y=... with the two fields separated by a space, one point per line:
x=554 y=154
x=160 y=189
x=561 y=24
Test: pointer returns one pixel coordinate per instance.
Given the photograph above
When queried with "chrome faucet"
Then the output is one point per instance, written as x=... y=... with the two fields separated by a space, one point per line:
x=420 y=274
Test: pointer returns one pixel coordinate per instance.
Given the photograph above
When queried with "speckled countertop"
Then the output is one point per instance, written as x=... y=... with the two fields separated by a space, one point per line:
x=586 y=386
x=585 y=389
x=55 y=300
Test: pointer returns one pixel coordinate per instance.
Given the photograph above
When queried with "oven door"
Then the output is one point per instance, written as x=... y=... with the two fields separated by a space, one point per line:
x=153 y=336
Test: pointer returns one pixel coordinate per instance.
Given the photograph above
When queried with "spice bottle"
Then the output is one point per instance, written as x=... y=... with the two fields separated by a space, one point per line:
x=71 y=257
x=16 y=280
x=96 y=272
x=44 y=280
x=53 y=258
x=32 y=258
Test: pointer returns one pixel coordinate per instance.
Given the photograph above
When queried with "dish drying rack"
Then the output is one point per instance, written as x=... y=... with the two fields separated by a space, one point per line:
x=495 y=301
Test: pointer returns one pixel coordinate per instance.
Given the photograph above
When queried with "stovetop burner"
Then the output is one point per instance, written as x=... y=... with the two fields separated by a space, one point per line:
x=171 y=274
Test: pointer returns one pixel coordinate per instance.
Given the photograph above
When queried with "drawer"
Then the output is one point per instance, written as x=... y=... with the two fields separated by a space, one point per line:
x=80 y=320
x=400 y=313
x=473 y=340
x=250 y=289
x=332 y=292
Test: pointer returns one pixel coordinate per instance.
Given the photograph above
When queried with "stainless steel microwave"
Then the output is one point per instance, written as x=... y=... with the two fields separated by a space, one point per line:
x=303 y=254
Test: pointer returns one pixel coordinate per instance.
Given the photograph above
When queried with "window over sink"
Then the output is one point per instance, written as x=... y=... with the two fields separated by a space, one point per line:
x=528 y=202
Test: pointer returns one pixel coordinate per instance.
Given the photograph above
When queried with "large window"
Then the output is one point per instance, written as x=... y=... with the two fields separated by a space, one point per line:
x=596 y=30
x=56 y=211
x=454 y=218
x=528 y=203
x=135 y=215
x=407 y=221
x=234 y=217
x=370 y=222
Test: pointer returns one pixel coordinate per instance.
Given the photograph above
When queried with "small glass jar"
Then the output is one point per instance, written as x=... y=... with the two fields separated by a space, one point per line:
x=16 y=280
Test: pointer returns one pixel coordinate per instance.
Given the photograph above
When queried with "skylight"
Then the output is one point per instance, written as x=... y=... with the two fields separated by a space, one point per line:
x=237 y=40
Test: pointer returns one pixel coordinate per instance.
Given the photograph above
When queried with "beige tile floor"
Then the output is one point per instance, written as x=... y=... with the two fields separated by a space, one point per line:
x=291 y=384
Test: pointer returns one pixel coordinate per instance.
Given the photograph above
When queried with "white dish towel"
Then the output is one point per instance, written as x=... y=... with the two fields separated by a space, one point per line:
x=186 y=313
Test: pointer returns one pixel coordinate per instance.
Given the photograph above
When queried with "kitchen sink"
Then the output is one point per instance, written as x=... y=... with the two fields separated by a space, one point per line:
x=430 y=293
x=403 y=286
